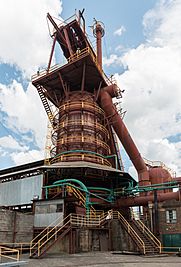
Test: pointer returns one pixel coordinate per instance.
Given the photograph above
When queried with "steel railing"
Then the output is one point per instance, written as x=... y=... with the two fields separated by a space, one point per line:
x=77 y=193
x=50 y=233
x=74 y=57
x=159 y=164
x=84 y=122
x=77 y=220
x=81 y=105
x=21 y=246
x=171 y=250
x=151 y=236
x=14 y=253
x=130 y=230
x=44 y=232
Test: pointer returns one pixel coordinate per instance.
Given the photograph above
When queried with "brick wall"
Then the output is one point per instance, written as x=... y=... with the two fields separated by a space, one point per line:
x=169 y=228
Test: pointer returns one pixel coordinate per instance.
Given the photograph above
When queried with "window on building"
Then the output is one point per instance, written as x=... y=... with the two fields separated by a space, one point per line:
x=171 y=216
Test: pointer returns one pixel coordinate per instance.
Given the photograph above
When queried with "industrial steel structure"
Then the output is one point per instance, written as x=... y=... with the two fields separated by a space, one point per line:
x=86 y=121
x=83 y=177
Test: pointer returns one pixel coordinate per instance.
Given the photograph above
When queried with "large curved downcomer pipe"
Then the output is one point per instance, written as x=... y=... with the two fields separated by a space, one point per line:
x=105 y=96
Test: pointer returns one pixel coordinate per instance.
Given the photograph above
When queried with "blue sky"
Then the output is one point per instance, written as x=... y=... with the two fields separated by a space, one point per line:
x=141 y=48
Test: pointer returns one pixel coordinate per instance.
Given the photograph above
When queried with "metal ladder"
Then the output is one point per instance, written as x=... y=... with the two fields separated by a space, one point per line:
x=45 y=104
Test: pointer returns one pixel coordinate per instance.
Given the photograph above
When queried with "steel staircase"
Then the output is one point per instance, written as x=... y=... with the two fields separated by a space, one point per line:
x=60 y=228
x=49 y=236
x=78 y=194
x=131 y=231
x=152 y=244
x=145 y=240
x=45 y=104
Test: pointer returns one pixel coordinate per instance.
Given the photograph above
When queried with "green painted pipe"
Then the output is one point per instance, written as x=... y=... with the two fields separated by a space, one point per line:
x=99 y=188
x=172 y=182
x=82 y=185
x=137 y=190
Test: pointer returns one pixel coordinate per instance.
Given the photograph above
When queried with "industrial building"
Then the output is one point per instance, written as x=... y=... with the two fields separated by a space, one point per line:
x=79 y=198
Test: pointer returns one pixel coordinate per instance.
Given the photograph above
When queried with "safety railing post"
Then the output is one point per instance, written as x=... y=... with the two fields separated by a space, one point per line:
x=18 y=256
x=38 y=248
x=56 y=233
x=21 y=248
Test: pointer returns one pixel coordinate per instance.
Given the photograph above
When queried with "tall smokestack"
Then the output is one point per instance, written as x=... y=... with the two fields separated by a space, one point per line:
x=98 y=30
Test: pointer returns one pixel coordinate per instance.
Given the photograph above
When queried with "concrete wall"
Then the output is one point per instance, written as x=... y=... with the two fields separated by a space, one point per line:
x=24 y=227
x=15 y=227
x=85 y=240
x=120 y=240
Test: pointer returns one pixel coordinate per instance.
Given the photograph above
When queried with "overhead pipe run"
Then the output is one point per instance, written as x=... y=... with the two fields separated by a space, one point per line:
x=144 y=200
x=105 y=96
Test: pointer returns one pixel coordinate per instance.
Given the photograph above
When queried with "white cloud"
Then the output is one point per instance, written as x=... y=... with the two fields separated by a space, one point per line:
x=25 y=44
x=162 y=24
x=112 y=60
x=152 y=82
x=8 y=142
x=120 y=31
x=25 y=41
x=25 y=111
x=26 y=157
x=120 y=48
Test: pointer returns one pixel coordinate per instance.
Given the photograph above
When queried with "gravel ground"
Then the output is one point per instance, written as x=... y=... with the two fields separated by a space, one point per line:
x=100 y=259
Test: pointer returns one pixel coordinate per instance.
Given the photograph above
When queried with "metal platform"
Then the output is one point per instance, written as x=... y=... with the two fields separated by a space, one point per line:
x=53 y=80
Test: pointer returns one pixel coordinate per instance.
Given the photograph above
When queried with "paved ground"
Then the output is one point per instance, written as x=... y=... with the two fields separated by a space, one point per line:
x=100 y=259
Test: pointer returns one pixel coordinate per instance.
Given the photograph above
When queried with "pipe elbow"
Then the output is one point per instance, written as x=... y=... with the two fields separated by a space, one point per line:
x=111 y=90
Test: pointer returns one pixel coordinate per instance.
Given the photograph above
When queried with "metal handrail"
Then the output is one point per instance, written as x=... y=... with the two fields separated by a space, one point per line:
x=38 y=243
x=81 y=197
x=75 y=56
x=82 y=157
x=81 y=104
x=44 y=230
x=81 y=123
x=159 y=164
x=54 y=234
x=72 y=220
x=150 y=234
x=79 y=54
x=88 y=50
x=17 y=245
x=76 y=220
x=9 y=250
x=173 y=250
x=84 y=139
x=45 y=72
x=130 y=230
